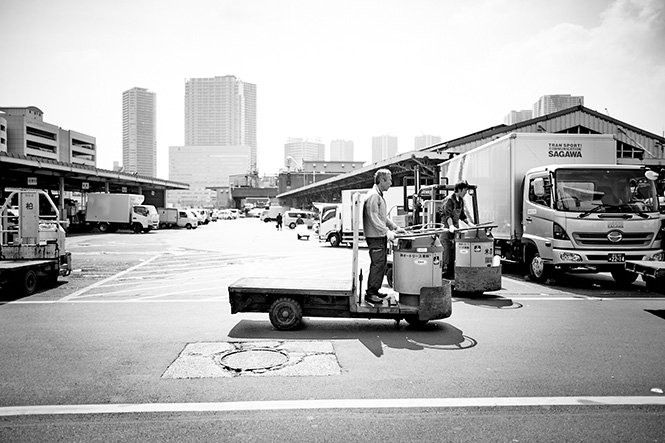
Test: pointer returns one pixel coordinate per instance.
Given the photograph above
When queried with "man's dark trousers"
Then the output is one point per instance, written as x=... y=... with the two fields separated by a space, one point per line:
x=378 y=254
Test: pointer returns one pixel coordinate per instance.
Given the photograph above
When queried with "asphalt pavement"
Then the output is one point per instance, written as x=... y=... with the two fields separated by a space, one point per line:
x=139 y=344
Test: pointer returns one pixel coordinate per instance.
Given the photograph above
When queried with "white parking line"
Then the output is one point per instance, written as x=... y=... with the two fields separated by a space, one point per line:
x=280 y=405
x=113 y=277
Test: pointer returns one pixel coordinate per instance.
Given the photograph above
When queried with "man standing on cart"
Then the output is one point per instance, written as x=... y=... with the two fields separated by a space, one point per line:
x=453 y=211
x=378 y=230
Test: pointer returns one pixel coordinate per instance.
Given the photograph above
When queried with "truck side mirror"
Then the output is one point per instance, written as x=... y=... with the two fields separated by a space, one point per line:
x=539 y=187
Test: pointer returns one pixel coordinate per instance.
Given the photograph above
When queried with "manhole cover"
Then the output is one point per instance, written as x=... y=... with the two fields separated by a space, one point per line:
x=253 y=360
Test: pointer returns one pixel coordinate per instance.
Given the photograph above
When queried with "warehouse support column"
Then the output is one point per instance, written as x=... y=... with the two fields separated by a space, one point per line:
x=61 y=199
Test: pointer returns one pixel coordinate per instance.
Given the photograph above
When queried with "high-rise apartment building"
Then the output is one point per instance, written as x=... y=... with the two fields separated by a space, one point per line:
x=298 y=149
x=341 y=150
x=425 y=141
x=139 y=131
x=548 y=104
x=221 y=111
x=517 y=116
x=383 y=147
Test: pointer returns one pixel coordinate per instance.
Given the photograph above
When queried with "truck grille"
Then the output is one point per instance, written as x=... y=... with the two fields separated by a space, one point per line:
x=600 y=239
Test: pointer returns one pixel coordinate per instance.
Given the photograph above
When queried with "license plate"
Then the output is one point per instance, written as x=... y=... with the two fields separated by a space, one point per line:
x=616 y=258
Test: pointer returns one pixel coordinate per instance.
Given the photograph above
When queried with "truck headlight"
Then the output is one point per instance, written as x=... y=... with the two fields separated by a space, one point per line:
x=660 y=256
x=569 y=256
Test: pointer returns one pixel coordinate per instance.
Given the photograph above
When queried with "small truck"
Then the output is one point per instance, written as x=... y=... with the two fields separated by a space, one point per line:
x=32 y=242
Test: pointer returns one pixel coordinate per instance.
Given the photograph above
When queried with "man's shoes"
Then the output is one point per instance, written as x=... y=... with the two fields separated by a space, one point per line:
x=375 y=299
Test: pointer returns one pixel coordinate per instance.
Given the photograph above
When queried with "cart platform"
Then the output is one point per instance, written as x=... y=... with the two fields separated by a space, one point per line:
x=652 y=272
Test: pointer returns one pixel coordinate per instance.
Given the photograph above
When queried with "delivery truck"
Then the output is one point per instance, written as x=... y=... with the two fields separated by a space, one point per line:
x=561 y=202
x=110 y=212
x=32 y=242
x=176 y=218
x=335 y=224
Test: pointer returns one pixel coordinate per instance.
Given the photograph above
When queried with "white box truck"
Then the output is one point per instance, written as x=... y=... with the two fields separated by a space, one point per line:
x=561 y=202
x=335 y=224
x=110 y=212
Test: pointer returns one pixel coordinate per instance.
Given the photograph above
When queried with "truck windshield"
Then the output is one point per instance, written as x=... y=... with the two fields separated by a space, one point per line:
x=605 y=190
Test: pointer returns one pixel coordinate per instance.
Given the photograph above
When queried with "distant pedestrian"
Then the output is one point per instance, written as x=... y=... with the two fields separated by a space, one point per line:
x=279 y=221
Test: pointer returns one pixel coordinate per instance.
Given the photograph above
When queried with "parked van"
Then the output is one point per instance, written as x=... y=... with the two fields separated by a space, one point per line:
x=291 y=216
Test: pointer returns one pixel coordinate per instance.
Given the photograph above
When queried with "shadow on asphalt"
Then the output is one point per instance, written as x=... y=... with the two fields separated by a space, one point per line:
x=8 y=294
x=373 y=334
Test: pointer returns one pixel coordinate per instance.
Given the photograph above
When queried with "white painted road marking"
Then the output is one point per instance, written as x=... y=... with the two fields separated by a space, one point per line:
x=384 y=403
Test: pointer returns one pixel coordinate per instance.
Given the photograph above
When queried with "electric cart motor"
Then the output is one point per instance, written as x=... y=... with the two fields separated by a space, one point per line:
x=476 y=268
x=416 y=264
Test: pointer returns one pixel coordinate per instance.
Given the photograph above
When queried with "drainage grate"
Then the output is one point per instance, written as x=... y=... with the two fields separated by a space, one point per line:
x=255 y=359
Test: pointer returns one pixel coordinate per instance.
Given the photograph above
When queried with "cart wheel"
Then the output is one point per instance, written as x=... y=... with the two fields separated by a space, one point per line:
x=285 y=314
x=389 y=276
x=624 y=277
x=29 y=282
x=414 y=321
x=539 y=271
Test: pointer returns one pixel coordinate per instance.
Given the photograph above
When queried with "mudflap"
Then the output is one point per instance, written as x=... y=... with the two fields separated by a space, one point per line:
x=477 y=279
x=435 y=302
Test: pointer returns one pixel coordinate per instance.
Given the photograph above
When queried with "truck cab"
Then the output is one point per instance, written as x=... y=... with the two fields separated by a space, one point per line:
x=590 y=216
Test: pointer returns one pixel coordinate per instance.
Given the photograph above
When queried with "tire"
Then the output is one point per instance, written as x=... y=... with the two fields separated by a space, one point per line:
x=539 y=271
x=29 y=282
x=389 y=276
x=137 y=228
x=414 y=321
x=624 y=277
x=334 y=240
x=103 y=227
x=285 y=314
x=188 y=226
x=292 y=225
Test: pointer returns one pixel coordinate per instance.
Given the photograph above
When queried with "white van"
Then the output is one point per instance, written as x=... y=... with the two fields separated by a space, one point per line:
x=291 y=216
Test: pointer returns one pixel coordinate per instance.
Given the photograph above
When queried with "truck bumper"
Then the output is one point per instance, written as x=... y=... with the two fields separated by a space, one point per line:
x=602 y=260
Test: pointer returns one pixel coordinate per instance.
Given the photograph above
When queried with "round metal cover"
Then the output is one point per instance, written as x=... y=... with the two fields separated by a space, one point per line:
x=253 y=360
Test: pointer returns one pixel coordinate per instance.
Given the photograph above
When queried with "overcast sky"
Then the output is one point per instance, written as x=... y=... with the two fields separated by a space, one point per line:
x=335 y=69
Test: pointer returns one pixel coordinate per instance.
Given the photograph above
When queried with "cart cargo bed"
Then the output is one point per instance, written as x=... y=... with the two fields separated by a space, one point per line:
x=318 y=297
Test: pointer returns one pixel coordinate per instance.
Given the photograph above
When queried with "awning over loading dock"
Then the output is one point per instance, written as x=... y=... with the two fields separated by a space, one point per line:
x=401 y=166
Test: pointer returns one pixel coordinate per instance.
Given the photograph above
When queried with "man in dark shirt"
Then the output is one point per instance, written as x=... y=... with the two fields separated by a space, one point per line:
x=453 y=212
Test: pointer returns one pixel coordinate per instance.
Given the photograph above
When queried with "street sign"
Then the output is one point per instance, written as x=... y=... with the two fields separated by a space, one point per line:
x=32 y=181
x=85 y=185
x=124 y=189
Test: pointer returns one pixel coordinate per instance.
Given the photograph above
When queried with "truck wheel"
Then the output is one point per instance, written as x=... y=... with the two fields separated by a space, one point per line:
x=188 y=226
x=29 y=282
x=653 y=284
x=292 y=225
x=103 y=227
x=285 y=314
x=539 y=271
x=137 y=228
x=624 y=277
x=334 y=240
x=414 y=321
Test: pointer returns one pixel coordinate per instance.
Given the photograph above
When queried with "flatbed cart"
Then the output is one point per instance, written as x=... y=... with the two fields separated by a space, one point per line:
x=287 y=301
x=652 y=272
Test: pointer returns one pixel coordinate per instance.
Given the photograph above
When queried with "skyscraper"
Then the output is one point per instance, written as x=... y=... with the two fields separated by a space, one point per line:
x=548 y=104
x=341 y=150
x=383 y=147
x=139 y=131
x=425 y=141
x=298 y=149
x=221 y=111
